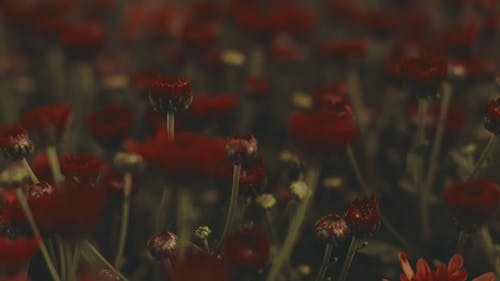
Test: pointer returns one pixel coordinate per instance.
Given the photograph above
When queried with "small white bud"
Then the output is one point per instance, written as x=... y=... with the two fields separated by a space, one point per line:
x=265 y=201
x=300 y=189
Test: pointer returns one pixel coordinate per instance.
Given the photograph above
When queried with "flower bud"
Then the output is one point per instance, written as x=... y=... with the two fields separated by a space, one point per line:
x=162 y=245
x=265 y=201
x=363 y=216
x=241 y=148
x=332 y=228
x=128 y=162
x=170 y=94
x=300 y=189
x=14 y=175
x=202 y=232
x=15 y=143
x=108 y=275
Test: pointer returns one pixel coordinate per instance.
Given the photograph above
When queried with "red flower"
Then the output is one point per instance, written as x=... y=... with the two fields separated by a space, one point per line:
x=162 y=245
x=454 y=271
x=492 y=116
x=363 y=216
x=109 y=125
x=206 y=108
x=247 y=248
x=455 y=119
x=323 y=131
x=196 y=266
x=47 y=123
x=142 y=81
x=189 y=157
x=170 y=94
x=331 y=96
x=343 y=48
x=253 y=174
x=82 y=168
x=15 y=143
x=391 y=68
x=472 y=203
x=258 y=87
x=83 y=39
x=333 y=228
x=15 y=254
x=241 y=148
x=424 y=74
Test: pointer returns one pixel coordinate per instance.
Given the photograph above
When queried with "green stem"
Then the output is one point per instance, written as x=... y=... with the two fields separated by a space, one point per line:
x=54 y=164
x=490 y=249
x=73 y=267
x=418 y=169
x=160 y=214
x=351 y=252
x=356 y=96
x=29 y=215
x=62 y=257
x=232 y=204
x=484 y=155
x=185 y=219
x=26 y=165
x=326 y=261
x=170 y=124
x=102 y=259
x=283 y=255
x=127 y=179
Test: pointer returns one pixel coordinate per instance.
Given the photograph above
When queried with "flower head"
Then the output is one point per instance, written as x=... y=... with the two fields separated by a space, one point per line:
x=472 y=203
x=15 y=143
x=424 y=74
x=109 y=125
x=47 y=123
x=16 y=253
x=247 y=248
x=252 y=176
x=162 y=245
x=332 y=228
x=241 y=148
x=492 y=116
x=332 y=96
x=363 y=216
x=170 y=94
x=83 y=168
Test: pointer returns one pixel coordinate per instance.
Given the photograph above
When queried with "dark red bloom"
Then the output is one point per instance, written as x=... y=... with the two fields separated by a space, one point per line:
x=15 y=143
x=162 y=245
x=142 y=81
x=50 y=26
x=82 y=40
x=258 y=87
x=332 y=228
x=241 y=148
x=363 y=216
x=492 y=116
x=15 y=254
x=170 y=94
x=198 y=266
x=82 y=168
x=322 y=132
x=473 y=202
x=252 y=176
x=247 y=248
x=47 y=123
x=455 y=119
x=206 y=108
x=343 y=48
x=424 y=74
x=110 y=124
x=189 y=157
x=331 y=96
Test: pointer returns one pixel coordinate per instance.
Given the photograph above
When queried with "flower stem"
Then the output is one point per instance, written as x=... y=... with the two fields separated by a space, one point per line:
x=418 y=169
x=490 y=249
x=232 y=204
x=185 y=215
x=102 y=259
x=26 y=165
x=54 y=164
x=294 y=229
x=160 y=216
x=438 y=140
x=462 y=239
x=484 y=155
x=62 y=257
x=29 y=215
x=127 y=179
x=326 y=261
x=351 y=252
x=170 y=124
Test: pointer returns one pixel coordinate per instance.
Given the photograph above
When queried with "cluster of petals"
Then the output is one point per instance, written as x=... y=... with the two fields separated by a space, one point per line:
x=47 y=123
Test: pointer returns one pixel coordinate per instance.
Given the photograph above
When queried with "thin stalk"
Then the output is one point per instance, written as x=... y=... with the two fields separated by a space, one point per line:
x=73 y=267
x=462 y=239
x=484 y=155
x=185 y=216
x=356 y=96
x=27 y=166
x=127 y=179
x=54 y=164
x=438 y=139
x=51 y=249
x=232 y=203
x=294 y=229
x=326 y=262
x=160 y=214
x=69 y=255
x=418 y=169
x=170 y=124
x=102 y=259
x=62 y=257
x=490 y=249
x=29 y=215
x=351 y=252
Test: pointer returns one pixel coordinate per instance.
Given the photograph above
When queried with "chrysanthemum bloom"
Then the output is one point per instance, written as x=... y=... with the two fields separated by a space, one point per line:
x=189 y=157
x=455 y=119
x=332 y=228
x=196 y=266
x=15 y=255
x=241 y=148
x=472 y=203
x=252 y=176
x=258 y=87
x=453 y=271
x=424 y=75
x=343 y=48
x=82 y=40
x=206 y=109
x=332 y=96
x=110 y=124
x=47 y=123
x=363 y=216
x=247 y=248
x=492 y=116
x=170 y=94
x=15 y=143
x=322 y=132
x=162 y=245
x=82 y=168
